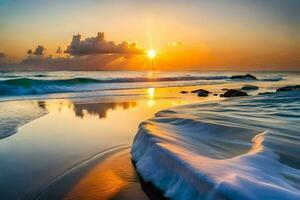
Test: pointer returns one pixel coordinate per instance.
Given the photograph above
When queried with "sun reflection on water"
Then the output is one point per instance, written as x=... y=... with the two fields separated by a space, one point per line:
x=151 y=92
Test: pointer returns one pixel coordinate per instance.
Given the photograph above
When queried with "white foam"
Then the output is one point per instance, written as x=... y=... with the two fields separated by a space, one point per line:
x=188 y=158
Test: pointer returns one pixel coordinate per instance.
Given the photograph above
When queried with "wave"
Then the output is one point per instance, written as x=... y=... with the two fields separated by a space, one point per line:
x=272 y=79
x=28 y=84
x=26 y=81
x=13 y=116
x=237 y=149
x=22 y=86
x=23 y=76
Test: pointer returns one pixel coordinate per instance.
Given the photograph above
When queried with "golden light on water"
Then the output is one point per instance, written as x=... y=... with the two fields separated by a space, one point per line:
x=151 y=92
x=151 y=54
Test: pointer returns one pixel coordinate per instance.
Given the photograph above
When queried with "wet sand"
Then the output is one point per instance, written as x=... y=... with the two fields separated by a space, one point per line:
x=108 y=176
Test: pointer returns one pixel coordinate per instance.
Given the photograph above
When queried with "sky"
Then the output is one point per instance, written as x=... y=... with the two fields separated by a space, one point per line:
x=197 y=35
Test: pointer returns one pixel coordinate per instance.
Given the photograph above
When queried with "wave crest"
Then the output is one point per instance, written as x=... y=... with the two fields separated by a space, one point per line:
x=25 y=85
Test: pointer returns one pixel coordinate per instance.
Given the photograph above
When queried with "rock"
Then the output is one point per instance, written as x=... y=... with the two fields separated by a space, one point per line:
x=184 y=92
x=289 y=88
x=266 y=93
x=244 y=77
x=215 y=94
x=234 y=93
x=200 y=90
x=250 y=87
x=224 y=89
x=202 y=93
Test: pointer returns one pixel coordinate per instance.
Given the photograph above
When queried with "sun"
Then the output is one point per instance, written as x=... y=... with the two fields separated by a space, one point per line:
x=151 y=54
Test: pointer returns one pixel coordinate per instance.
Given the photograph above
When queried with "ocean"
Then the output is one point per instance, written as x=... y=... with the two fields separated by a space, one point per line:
x=25 y=85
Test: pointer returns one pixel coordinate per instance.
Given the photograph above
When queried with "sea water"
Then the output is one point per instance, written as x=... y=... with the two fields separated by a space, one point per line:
x=20 y=85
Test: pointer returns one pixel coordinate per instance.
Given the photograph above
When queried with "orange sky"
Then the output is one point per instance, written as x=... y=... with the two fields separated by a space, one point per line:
x=222 y=35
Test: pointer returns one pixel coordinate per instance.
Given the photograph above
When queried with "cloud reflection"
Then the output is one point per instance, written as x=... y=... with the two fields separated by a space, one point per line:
x=100 y=109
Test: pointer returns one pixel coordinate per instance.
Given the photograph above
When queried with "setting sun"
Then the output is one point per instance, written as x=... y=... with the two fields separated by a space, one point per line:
x=151 y=54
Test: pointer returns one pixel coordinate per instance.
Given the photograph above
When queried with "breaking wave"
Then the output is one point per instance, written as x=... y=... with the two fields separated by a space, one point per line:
x=28 y=84
x=245 y=148
x=22 y=86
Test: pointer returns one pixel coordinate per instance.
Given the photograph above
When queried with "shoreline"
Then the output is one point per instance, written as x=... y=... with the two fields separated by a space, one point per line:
x=61 y=187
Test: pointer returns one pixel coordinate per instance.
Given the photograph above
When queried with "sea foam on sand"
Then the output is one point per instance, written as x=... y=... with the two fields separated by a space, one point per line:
x=246 y=148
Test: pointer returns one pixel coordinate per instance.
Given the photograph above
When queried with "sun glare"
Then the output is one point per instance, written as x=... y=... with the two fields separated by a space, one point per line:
x=151 y=92
x=151 y=54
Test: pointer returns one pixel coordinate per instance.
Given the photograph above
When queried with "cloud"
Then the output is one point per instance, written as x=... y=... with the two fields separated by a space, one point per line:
x=174 y=44
x=2 y=58
x=89 y=54
x=94 y=53
x=98 y=45
x=39 y=51
x=58 y=50
x=2 y=55
x=88 y=62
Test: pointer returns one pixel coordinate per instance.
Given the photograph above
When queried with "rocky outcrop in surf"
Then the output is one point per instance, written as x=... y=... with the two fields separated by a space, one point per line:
x=234 y=93
x=244 y=77
x=250 y=87
x=289 y=88
x=201 y=92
